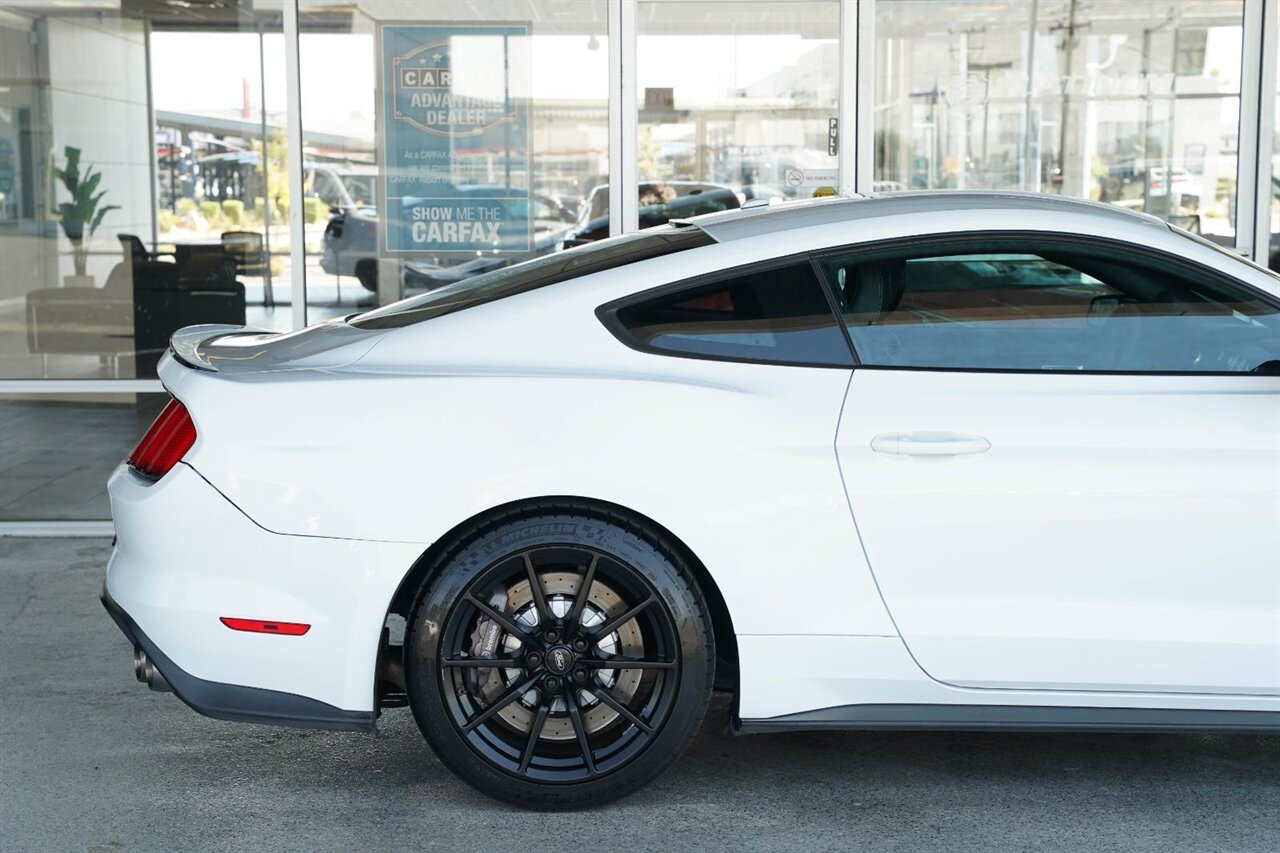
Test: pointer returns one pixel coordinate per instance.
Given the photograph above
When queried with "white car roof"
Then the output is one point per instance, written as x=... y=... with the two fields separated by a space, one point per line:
x=753 y=222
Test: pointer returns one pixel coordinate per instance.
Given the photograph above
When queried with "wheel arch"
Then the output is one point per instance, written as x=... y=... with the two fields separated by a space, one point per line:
x=436 y=556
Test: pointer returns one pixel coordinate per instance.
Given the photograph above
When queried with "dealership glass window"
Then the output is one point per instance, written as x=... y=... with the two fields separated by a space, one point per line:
x=505 y=172
x=1135 y=103
x=736 y=95
x=106 y=252
x=57 y=451
x=221 y=162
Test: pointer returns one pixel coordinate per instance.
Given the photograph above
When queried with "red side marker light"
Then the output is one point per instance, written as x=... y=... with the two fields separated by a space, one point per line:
x=259 y=626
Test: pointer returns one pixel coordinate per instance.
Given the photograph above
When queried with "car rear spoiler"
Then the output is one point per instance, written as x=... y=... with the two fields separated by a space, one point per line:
x=243 y=349
x=185 y=343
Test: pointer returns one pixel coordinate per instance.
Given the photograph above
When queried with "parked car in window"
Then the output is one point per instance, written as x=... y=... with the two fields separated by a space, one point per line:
x=648 y=193
x=660 y=202
x=566 y=191
x=921 y=461
x=350 y=241
x=350 y=244
x=341 y=185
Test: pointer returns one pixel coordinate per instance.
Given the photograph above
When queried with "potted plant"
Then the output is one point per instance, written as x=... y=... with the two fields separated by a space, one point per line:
x=81 y=216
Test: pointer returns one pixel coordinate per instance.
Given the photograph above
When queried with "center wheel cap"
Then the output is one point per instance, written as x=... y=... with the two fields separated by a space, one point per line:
x=559 y=660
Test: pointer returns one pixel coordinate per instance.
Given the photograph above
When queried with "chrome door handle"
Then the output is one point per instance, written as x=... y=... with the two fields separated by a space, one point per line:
x=929 y=444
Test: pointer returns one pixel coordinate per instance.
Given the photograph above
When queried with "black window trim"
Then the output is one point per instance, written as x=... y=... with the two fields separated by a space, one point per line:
x=966 y=236
x=411 y=316
x=608 y=312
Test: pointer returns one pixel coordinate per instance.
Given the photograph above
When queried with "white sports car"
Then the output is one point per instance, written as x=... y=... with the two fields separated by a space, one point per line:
x=949 y=461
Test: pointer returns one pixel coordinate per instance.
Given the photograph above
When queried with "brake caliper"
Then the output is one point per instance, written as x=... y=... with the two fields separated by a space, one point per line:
x=486 y=683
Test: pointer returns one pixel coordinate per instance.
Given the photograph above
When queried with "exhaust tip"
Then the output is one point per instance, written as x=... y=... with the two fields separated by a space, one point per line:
x=145 y=671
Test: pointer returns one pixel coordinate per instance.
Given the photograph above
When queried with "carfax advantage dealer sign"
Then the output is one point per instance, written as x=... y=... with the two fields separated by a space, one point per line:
x=455 y=138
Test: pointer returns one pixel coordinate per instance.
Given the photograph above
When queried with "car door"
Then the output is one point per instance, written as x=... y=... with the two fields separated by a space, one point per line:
x=1063 y=460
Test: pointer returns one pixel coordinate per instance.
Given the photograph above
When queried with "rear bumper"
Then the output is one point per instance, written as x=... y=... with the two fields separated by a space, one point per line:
x=236 y=702
x=185 y=556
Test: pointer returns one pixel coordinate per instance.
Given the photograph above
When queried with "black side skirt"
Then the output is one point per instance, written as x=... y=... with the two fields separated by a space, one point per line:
x=236 y=702
x=1018 y=718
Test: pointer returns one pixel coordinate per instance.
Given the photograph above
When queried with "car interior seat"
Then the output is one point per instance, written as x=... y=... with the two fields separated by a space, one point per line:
x=877 y=289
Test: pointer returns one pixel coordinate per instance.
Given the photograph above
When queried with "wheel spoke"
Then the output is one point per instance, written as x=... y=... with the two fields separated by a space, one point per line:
x=584 y=589
x=627 y=663
x=618 y=621
x=501 y=618
x=607 y=698
x=501 y=702
x=482 y=663
x=539 y=593
x=539 y=721
x=575 y=717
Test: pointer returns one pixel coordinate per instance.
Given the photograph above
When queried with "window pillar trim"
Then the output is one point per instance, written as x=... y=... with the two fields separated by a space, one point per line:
x=624 y=205
x=293 y=125
x=1266 y=27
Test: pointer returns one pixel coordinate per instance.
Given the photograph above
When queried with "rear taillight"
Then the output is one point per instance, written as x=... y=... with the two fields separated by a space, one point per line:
x=168 y=439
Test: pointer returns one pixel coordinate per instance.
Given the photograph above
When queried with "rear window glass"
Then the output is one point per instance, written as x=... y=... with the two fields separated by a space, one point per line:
x=533 y=274
x=778 y=315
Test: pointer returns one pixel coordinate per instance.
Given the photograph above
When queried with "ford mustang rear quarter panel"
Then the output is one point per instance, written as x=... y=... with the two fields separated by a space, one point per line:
x=185 y=558
x=742 y=470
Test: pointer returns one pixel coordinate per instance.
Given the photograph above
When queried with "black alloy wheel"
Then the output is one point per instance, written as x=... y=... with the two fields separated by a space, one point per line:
x=560 y=661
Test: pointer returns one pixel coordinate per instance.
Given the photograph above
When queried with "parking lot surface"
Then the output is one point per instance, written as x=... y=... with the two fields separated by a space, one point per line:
x=91 y=760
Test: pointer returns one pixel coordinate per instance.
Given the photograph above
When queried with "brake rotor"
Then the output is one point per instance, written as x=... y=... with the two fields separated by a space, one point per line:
x=561 y=588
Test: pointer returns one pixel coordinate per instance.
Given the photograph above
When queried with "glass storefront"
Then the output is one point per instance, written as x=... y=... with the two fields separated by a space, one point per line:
x=282 y=162
x=538 y=71
x=736 y=97
x=1134 y=103
x=134 y=199
x=221 y=160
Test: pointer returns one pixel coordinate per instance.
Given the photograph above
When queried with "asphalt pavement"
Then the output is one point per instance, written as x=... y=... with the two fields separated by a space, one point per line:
x=91 y=760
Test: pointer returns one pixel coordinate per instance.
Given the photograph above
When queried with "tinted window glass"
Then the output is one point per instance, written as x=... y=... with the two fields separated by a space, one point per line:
x=530 y=275
x=776 y=315
x=1039 y=306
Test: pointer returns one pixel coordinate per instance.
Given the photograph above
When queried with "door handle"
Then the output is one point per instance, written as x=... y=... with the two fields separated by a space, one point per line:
x=929 y=444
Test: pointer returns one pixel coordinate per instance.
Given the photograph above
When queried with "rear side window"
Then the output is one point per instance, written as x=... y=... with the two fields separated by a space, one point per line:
x=776 y=315
x=1041 y=304
x=533 y=274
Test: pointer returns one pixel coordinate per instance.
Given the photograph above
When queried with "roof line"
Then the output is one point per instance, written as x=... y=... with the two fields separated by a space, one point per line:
x=787 y=216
